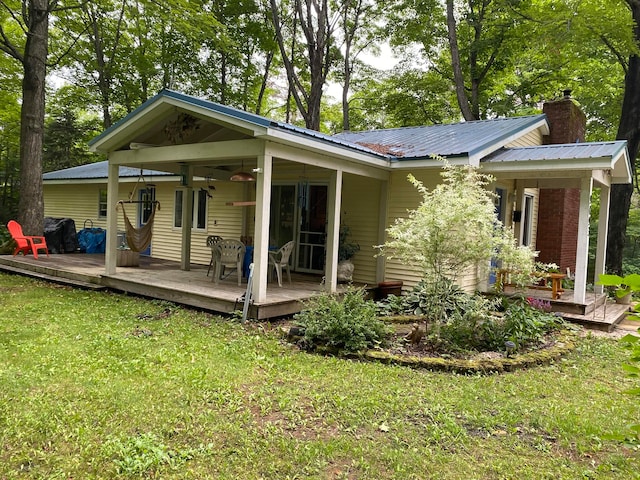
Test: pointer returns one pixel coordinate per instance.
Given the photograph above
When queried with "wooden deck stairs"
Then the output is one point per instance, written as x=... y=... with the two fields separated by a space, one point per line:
x=605 y=316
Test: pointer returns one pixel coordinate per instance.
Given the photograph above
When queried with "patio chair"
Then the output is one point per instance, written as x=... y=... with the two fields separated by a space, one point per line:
x=26 y=243
x=228 y=253
x=280 y=260
x=211 y=242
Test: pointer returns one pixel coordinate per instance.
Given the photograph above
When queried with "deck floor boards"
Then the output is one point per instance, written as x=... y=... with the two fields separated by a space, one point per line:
x=157 y=278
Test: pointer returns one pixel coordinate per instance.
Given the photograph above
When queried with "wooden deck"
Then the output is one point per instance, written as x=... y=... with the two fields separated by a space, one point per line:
x=163 y=279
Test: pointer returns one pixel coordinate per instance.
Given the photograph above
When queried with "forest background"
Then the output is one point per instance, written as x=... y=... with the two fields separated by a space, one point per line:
x=70 y=69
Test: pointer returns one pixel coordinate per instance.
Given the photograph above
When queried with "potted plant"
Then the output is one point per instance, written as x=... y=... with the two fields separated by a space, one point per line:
x=346 y=251
x=624 y=286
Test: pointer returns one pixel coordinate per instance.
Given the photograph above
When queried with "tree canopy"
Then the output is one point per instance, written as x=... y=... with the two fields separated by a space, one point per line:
x=456 y=60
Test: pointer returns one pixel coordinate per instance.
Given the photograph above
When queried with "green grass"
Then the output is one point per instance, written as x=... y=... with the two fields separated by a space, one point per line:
x=99 y=385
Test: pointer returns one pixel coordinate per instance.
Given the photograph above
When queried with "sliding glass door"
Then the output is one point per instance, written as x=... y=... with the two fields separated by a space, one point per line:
x=299 y=212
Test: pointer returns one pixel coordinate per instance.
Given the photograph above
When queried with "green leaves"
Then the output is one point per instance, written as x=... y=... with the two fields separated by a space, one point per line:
x=624 y=285
x=455 y=228
x=346 y=325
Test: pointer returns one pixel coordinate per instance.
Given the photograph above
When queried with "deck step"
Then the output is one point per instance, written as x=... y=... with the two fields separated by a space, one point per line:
x=605 y=317
x=52 y=278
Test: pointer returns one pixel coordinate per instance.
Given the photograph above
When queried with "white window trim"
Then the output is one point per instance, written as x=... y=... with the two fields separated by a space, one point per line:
x=100 y=203
x=527 y=219
x=196 y=199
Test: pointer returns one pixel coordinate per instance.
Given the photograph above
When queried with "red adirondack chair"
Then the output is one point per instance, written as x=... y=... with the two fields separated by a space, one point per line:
x=26 y=243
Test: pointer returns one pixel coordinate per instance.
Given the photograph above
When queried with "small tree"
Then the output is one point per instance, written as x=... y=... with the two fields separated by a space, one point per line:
x=455 y=228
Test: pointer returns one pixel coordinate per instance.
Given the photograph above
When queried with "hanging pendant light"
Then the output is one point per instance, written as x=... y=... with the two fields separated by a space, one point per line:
x=242 y=176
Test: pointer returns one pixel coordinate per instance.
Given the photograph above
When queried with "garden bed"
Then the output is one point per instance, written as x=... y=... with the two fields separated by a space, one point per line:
x=398 y=351
x=482 y=362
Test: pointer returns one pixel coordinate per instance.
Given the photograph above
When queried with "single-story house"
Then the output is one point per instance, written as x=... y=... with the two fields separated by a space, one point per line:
x=307 y=184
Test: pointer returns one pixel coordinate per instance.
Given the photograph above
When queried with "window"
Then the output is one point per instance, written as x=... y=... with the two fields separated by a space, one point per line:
x=200 y=208
x=177 y=212
x=102 y=203
x=199 y=202
x=499 y=203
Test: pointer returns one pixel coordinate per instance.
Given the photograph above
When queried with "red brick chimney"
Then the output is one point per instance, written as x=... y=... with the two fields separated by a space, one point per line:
x=567 y=123
x=557 y=236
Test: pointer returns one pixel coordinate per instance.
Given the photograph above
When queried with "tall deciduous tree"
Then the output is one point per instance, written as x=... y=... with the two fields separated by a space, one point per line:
x=30 y=47
x=307 y=68
x=9 y=138
x=629 y=130
x=358 y=28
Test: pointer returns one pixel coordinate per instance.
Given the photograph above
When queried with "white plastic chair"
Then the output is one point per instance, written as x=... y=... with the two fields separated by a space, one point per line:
x=280 y=260
x=228 y=253
x=211 y=242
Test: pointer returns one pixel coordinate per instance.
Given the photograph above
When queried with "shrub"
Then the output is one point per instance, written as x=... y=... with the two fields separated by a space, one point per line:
x=523 y=325
x=466 y=330
x=346 y=325
x=457 y=321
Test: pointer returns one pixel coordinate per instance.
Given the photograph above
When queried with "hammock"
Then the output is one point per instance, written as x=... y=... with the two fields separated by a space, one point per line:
x=139 y=238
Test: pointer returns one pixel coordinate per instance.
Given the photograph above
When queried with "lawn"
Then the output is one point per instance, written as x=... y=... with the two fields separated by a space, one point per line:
x=102 y=385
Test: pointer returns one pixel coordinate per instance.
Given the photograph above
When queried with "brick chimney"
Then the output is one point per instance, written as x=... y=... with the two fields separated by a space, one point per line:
x=557 y=236
x=567 y=123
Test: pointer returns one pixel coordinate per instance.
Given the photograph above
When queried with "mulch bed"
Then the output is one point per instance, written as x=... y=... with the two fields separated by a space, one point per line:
x=420 y=355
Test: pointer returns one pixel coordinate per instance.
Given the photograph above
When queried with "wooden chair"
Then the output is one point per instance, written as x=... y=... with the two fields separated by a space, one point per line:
x=228 y=253
x=26 y=243
x=280 y=260
x=211 y=242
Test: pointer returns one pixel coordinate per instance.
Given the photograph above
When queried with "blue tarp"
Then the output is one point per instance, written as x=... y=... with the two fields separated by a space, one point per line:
x=92 y=240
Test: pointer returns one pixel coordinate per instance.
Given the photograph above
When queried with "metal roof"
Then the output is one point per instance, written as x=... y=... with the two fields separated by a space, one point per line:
x=459 y=139
x=234 y=113
x=566 y=151
x=466 y=138
x=99 y=170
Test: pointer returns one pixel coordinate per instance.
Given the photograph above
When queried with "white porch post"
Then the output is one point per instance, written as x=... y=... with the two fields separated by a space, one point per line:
x=582 y=255
x=261 y=228
x=187 y=216
x=110 y=258
x=333 y=230
x=382 y=228
x=603 y=227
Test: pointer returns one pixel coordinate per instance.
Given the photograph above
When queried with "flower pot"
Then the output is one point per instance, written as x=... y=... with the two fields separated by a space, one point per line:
x=624 y=300
x=127 y=258
x=345 y=271
x=388 y=288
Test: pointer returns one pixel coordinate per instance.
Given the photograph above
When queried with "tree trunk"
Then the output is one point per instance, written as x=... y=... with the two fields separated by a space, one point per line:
x=312 y=17
x=629 y=130
x=345 y=90
x=263 y=84
x=458 y=77
x=31 y=204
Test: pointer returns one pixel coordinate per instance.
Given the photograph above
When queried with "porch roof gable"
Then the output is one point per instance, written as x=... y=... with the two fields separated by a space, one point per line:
x=611 y=156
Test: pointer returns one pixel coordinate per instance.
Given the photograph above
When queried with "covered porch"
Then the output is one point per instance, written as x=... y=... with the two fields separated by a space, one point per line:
x=198 y=141
x=581 y=168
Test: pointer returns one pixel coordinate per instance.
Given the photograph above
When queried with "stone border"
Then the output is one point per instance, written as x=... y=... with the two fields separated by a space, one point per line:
x=563 y=346
x=565 y=343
